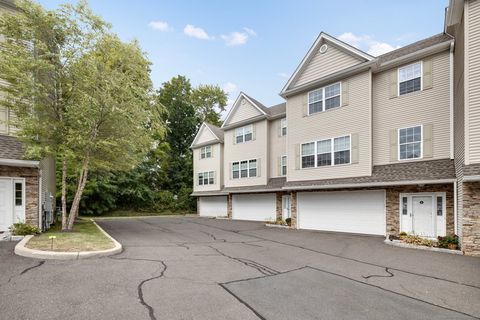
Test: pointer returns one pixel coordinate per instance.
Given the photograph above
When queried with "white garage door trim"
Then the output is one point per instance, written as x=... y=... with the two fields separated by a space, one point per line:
x=212 y=206
x=343 y=211
x=256 y=207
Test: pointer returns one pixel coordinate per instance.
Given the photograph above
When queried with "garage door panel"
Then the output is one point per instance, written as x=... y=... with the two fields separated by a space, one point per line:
x=213 y=206
x=257 y=207
x=356 y=212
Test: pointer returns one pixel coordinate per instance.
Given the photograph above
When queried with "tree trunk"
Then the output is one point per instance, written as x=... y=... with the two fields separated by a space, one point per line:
x=82 y=181
x=64 y=193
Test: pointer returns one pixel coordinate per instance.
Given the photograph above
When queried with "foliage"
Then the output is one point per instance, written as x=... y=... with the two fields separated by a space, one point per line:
x=288 y=221
x=447 y=241
x=417 y=240
x=23 y=229
x=403 y=234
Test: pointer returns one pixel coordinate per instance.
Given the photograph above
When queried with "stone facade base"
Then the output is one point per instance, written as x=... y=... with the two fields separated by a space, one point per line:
x=471 y=219
x=31 y=176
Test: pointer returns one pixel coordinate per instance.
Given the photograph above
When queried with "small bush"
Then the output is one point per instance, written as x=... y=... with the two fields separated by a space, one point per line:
x=448 y=241
x=403 y=234
x=289 y=221
x=22 y=229
x=418 y=241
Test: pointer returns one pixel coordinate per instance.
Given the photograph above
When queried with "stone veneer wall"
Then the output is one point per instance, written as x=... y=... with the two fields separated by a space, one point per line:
x=31 y=176
x=229 y=205
x=293 y=209
x=471 y=218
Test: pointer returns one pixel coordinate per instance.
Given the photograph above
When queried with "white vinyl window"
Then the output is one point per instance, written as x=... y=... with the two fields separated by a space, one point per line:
x=284 y=165
x=206 y=152
x=410 y=78
x=244 y=134
x=283 y=126
x=327 y=152
x=325 y=98
x=244 y=169
x=206 y=178
x=410 y=143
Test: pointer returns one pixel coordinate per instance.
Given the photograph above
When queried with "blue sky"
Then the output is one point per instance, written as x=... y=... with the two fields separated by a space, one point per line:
x=254 y=46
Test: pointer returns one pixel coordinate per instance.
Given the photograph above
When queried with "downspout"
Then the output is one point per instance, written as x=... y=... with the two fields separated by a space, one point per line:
x=40 y=216
x=451 y=102
x=455 y=214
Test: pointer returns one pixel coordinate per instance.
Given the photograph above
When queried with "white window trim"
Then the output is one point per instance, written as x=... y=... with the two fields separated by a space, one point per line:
x=243 y=133
x=203 y=177
x=203 y=151
x=398 y=78
x=421 y=142
x=248 y=169
x=283 y=124
x=323 y=98
x=332 y=152
x=281 y=165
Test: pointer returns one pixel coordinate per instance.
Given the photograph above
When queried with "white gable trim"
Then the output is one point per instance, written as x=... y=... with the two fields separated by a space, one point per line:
x=235 y=104
x=204 y=125
x=312 y=51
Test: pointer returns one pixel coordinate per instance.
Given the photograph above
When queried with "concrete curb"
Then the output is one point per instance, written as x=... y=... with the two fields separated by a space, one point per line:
x=398 y=243
x=280 y=226
x=22 y=250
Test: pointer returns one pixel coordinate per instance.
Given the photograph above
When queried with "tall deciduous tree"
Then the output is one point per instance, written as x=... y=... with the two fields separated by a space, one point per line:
x=78 y=92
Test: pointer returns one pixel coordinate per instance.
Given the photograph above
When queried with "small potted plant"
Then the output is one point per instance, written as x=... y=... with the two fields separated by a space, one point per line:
x=449 y=242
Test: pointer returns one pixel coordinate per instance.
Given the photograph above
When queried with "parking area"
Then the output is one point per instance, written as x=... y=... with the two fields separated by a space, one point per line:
x=198 y=268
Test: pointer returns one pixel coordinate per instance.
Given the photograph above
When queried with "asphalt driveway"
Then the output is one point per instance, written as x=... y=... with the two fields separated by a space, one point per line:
x=195 y=268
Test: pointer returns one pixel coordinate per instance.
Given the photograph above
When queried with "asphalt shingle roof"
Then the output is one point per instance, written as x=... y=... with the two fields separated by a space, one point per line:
x=11 y=148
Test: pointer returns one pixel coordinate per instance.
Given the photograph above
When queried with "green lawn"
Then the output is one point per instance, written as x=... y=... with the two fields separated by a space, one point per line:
x=84 y=237
x=133 y=213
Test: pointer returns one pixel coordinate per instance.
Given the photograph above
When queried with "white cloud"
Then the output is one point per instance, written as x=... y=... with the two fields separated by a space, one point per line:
x=367 y=43
x=160 y=26
x=229 y=87
x=238 y=38
x=196 y=32
x=283 y=75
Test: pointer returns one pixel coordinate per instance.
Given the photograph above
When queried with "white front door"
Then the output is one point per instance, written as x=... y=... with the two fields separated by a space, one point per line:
x=285 y=207
x=422 y=216
x=6 y=204
x=19 y=200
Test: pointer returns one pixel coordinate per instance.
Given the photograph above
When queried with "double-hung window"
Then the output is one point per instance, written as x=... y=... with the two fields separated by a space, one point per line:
x=244 y=134
x=206 y=178
x=325 y=98
x=327 y=152
x=283 y=165
x=283 y=126
x=410 y=78
x=308 y=155
x=206 y=152
x=244 y=169
x=410 y=143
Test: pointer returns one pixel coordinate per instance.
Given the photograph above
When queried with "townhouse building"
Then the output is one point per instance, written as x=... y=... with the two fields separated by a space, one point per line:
x=27 y=187
x=362 y=144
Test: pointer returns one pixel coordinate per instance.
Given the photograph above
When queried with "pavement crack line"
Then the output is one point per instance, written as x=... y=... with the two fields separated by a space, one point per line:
x=393 y=292
x=390 y=275
x=39 y=264
x=213 y=236
x=242 y=302
x=340 y=257
x=151 y=311
x=250 y=263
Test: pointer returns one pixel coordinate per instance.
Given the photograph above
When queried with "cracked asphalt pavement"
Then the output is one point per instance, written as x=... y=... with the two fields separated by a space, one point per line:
x=197 y=268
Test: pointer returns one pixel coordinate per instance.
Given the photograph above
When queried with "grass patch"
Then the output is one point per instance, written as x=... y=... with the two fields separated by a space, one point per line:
x=133 y=213
x=84 y=237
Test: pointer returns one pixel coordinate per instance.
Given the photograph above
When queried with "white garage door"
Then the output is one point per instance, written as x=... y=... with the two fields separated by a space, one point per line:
x=259 y=207
x=213 y=206
x=353 y=211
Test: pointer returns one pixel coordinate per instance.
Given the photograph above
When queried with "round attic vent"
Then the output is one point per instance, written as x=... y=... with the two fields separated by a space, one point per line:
x=243 y=101
x=323 y=48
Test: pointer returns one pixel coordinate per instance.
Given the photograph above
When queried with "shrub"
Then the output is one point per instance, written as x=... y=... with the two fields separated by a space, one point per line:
x=403 y=234
x=418 y=241
x=23 y=229
x=289 y=221
x=448 y=241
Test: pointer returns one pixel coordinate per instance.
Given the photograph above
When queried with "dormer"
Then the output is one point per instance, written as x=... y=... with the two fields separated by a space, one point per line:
x=328 y=57
x=206 y=135
x=245 y=109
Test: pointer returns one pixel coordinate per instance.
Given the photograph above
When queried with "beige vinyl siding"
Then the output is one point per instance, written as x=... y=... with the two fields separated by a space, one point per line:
x=472 y=103
x=354 y=118
x=245 y=110
x=254 y=149
x=205 y=135
x=324 y=64
x=47 y=166
x=277 y=147
x=422 y=107
x=215 y=163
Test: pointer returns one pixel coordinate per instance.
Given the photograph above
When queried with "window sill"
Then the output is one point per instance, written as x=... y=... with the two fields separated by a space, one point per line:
x=323 y=112
x=334 y=166
x=410 y=94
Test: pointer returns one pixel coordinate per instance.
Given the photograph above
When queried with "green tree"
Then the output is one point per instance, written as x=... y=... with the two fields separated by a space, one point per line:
x=209 y=102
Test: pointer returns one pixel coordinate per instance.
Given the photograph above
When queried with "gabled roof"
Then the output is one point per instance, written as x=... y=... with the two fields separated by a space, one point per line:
x=313 y=50
x=216 y=131
x=260 y=107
